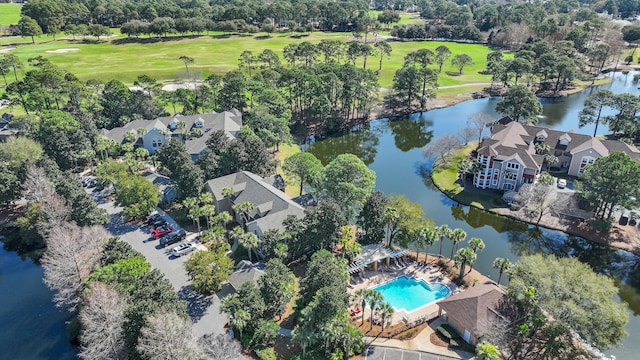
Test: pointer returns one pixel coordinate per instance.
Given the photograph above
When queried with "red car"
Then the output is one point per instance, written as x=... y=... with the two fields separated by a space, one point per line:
x=160 y=232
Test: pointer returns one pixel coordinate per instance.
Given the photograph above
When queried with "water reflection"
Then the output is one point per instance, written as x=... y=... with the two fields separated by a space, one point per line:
x=362 y=142
x=410 y=135
x=392 y=149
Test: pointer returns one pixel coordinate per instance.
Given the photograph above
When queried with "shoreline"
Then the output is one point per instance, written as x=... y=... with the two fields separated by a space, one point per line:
x=617 y=237
x=379 y=111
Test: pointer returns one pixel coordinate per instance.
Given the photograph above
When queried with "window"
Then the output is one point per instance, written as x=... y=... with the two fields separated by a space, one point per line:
x=156 y=143
x=507 y=187
x=565 y=164
x=586 y=161
x=513 y=166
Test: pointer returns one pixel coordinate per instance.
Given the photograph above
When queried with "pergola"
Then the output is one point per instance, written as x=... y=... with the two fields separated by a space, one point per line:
x=373 y=254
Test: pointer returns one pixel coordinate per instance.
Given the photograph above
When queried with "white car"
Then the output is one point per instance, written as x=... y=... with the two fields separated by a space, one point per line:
x=183 y=249
x=562 y=183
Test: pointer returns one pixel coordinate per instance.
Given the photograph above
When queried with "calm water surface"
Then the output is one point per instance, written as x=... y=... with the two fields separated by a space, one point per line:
x=31 y=326
x=393 y=150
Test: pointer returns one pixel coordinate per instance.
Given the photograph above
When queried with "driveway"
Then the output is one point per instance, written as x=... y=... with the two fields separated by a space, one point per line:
x=204 y=311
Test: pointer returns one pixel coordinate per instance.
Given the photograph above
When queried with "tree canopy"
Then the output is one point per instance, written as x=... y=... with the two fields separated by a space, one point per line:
x=573 y=295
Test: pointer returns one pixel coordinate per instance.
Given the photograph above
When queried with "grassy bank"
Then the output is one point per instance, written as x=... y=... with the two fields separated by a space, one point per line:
x=445 y=178
x=286 y=150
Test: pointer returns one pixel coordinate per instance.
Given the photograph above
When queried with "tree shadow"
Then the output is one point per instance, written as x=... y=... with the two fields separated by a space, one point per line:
x=262 y=37
x=197 y=304
x=452 y=73
x=298 y=36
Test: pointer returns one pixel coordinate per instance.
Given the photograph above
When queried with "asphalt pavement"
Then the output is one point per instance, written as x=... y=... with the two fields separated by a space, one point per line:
x=204 y=311
x=386 y=353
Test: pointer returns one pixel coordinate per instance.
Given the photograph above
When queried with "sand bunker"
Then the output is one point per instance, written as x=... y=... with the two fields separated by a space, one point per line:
x=6 y=50
x=61 y=51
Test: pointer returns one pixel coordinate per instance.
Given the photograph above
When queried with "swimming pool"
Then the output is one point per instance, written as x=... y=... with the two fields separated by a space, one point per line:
x=409 y=294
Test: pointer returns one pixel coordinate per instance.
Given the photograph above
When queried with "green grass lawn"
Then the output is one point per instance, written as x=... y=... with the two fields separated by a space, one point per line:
x=125 y=60
x=9 y=14
x=446 y=179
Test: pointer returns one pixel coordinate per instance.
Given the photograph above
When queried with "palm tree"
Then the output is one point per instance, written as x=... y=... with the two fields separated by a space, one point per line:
x=476 y=244
x=462 y=258
x=391 y=217
x=443 y=231
x=502 y=265
x=457 y=236
x=487 y=351
x=304 y=335
x=206 y=198
x=430 y=238
x=181 y=125
x=209 y=212
x=243 y=208
x=239 y=320
x=374 y=299
x=420 y=240
x=386 y=312
x=249 y=241
x=195 y=214
x=141 y=153
x=227 y=192
x=234 y=235
x=190 y=203
x=349 y=336
x=223 y=219
x=361 y=297
x=216 y=234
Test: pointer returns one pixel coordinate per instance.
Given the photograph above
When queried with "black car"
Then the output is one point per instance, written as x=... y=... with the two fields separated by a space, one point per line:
x=173 y=238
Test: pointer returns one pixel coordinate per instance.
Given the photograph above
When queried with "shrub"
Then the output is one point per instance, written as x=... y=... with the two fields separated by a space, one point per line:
x=266 y=354
x=265 y=333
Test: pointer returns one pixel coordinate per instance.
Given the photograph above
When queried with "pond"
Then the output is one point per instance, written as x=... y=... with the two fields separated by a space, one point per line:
x=32 y=327
x=393 y=150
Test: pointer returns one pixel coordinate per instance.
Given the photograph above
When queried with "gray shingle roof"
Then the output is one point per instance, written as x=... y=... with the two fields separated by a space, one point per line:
x=229 y=121
x=245 y=272
x=271 y=206
x=514 y=140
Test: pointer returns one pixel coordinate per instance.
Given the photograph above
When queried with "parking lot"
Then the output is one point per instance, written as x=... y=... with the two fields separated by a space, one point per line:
x=205 y=311
x=385 y=353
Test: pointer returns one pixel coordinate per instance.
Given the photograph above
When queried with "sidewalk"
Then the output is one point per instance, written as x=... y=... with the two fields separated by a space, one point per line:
x=420 y=343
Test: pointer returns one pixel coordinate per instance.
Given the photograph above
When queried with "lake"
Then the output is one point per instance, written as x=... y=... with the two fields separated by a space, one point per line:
x=393 y=150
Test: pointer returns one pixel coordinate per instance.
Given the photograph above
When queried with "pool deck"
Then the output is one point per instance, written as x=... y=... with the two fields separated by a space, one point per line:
x=375 y=278
x=422 y=341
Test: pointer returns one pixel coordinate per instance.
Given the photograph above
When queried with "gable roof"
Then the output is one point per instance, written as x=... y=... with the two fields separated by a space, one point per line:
x=474 y=308
x=271 y=206
x=229 y=121
x=516 y=141
x=245 y=272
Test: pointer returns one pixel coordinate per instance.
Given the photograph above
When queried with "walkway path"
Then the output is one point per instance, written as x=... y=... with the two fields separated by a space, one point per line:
x=421 y=343
x=463 y=85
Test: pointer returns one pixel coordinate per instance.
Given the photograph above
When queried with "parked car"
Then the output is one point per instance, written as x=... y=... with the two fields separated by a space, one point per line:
x=153 y=217
x=562 y=183
x=183 y=249
x=161 y=231
x=173 y=238
x=158 y=223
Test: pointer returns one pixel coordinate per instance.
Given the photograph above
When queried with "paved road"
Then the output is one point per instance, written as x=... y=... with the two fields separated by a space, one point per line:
x=385 y=353
x=205 y=311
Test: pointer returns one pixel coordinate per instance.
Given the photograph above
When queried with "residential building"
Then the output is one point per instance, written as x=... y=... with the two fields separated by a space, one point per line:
x=244 y=272
x=271 y=206
x=508 y=158
x=6 y=131
x=193 y=130
x=472 y=311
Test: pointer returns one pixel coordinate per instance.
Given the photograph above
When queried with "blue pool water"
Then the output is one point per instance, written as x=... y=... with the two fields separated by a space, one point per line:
x=409 y=294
